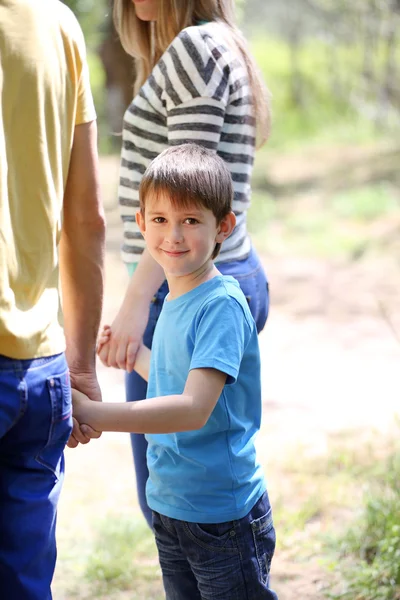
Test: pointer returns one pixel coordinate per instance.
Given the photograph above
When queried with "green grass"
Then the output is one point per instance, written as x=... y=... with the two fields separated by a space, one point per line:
x=369 y=553
x=123 y=552
x=121 y=558
x=341 y=511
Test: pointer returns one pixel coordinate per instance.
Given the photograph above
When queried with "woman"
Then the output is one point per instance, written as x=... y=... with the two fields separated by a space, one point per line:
x=196 y=82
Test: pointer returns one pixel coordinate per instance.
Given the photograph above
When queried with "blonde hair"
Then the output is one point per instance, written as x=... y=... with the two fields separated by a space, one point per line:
x=147 y=41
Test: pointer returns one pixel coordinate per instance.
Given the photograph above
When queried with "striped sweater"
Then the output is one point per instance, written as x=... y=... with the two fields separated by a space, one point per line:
x=197 y=92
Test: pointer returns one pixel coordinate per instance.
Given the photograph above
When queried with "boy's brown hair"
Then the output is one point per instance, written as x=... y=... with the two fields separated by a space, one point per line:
x=190 y=175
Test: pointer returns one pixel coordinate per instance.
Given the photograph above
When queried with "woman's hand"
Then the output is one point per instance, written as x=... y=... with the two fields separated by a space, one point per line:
x=118 y=344
x=130 y=323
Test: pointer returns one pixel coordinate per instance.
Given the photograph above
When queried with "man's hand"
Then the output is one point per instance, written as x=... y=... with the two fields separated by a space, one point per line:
x=87 y=384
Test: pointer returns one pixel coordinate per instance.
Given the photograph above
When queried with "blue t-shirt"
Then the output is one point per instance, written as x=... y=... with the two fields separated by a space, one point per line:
x=210 y=475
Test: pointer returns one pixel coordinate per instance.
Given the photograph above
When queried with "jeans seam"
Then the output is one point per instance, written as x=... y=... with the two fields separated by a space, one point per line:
x=263 y=560
x=46 y=466
x=217 y=549
x=54 y=420
x=248 y=275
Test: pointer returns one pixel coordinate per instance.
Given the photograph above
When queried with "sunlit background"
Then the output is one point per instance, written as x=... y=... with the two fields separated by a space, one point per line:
x=325 y=218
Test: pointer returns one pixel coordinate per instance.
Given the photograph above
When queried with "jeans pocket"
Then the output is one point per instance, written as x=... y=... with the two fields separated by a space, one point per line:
x=218 y=537
x=264 y=542
x=60 y=422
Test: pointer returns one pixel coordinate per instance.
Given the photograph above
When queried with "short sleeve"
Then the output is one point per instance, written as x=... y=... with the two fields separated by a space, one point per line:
x=85 y=111
x=221 y=336
x=78 y=67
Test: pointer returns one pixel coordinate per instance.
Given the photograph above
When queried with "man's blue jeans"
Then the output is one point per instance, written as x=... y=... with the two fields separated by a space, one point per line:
x=35 y=424
x=224 y=561
x=253 y=282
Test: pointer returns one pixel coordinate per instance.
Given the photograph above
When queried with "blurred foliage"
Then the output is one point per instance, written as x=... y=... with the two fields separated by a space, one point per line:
x=319 y=112
x=330 y=65
x=91 y=15
x=334 y=57
x=366 y=203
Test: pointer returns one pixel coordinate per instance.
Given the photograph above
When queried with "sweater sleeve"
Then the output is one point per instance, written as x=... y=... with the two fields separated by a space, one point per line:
x=196 y=89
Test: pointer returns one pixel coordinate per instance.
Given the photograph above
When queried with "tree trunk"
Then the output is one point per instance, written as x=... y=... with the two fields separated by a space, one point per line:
x=119 y=70
x=387 y=94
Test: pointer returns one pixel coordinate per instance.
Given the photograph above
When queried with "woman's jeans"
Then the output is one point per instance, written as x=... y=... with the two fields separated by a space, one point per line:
x=228 y=560
x=35 y=424
x=252 y=279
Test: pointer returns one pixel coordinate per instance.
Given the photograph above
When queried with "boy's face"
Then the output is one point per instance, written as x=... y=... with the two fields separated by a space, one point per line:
x=181 y=240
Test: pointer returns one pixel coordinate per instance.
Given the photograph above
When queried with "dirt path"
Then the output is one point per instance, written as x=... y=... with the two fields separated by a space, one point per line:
x=329 y=362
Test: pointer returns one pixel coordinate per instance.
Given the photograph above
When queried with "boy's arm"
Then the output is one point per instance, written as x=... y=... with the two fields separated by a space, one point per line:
x=142 y=362
x=166 y=414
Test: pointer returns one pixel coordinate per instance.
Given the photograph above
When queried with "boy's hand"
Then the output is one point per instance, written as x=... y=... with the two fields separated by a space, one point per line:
x=79 y=404
x=103 y=338
x=88 y=384
x=102 y=341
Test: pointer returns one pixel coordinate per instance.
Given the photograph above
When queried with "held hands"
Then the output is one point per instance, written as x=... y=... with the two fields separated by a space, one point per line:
x=80 y=402
x=88 y=385
x=119 y=343
x=104 y=338
x=141 y=362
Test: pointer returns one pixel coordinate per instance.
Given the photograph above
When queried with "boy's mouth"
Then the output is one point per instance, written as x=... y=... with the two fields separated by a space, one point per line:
x=175 y=253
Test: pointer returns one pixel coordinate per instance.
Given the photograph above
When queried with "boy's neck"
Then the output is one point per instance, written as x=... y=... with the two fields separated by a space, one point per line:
x=185 y=283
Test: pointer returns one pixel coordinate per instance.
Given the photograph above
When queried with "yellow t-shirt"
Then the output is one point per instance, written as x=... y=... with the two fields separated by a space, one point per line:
x=44 y=93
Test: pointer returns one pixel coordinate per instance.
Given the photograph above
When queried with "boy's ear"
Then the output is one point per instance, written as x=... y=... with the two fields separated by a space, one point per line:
x=140 y=221
x=226 y=227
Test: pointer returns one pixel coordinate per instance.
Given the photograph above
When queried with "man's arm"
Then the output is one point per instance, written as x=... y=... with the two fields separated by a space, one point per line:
x=167 y=414
x=82 y=260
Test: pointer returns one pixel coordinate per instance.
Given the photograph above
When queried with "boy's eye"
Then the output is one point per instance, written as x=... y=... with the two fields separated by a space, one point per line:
x=191 y=221
x=159 y=220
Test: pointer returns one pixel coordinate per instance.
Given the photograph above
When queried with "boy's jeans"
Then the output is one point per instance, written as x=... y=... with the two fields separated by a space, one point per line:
x=225 y=561
x=35 y=424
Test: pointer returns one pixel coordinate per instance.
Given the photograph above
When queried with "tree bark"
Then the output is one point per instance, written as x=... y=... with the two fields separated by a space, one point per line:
x=119 y=70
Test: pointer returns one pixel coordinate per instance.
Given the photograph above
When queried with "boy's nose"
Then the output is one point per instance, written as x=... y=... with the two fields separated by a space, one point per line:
x=175 y=235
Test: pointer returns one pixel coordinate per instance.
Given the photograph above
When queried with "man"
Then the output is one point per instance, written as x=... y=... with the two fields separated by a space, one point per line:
x=51 y=228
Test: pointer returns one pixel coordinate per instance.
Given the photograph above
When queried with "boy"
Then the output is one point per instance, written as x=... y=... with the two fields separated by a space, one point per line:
x=212 y=517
